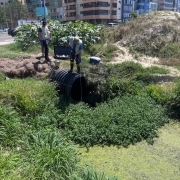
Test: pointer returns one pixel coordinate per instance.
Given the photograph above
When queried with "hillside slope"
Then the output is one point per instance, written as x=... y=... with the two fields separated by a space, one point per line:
x=151 y=33
x=150 y=39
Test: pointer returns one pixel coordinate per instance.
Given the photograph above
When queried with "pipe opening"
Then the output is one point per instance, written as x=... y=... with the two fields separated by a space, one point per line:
x=71 y=84
x=79 y=89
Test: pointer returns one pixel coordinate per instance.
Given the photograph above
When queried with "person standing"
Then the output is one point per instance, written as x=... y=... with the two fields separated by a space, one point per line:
x=41 y=41
x=43 y=36
x=75 y=45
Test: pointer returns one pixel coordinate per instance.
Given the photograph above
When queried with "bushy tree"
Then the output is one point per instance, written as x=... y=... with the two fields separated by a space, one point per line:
x=89 y=33
x=2 y=16
x=12 y=12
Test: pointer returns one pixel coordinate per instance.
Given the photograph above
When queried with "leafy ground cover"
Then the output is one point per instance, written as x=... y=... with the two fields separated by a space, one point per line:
x=122 y=121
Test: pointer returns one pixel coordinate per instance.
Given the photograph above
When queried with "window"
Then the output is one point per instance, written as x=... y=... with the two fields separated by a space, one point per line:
x=113 y=12
x=127 y=2
x=168 y=5
x=114 y=5
x=72 y=7
x=95 y=4
x=53 y=3
x=170 y=1
x=126 y=14
x=95 y=12
x=72 y=14
x=69 y=1
x=129 y=8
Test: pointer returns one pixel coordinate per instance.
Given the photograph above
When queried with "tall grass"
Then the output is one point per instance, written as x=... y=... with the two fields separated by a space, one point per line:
x=11 y=128
x=49 y=156
x=9 y=165
x=88 y=173
x=30 y=96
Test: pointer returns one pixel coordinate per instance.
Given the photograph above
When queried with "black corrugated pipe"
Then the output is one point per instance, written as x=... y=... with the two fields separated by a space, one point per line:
x=72 y=84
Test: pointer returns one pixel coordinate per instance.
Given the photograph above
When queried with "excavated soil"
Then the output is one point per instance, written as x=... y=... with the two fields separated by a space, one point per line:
x=28 y=67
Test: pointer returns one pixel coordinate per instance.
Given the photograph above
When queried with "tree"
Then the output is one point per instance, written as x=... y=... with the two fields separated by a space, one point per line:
x=134 y=15
x=13 y=12
x=2 y=16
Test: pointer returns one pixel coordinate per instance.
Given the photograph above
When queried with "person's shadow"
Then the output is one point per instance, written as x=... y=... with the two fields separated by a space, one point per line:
x=39 y=57
x=36 y=64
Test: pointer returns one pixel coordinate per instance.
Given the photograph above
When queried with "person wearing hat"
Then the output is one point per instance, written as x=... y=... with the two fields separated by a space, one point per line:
x=75 y=45
x=43 y=36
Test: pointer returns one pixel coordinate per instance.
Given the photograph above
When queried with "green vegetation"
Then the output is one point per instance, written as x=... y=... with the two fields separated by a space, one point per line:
x=14 y=51
x=42 y=133
x=27 y=100
x=106 y=82
x=49 y=156
x=88 y=33
x=121 y=121
x=11 y=128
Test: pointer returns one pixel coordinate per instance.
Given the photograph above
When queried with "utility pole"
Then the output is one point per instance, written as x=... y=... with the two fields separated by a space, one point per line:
x=43 y=5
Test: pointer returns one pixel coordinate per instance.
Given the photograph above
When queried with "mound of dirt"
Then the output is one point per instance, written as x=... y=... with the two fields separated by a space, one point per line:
x=30 y=66
x=150 y=34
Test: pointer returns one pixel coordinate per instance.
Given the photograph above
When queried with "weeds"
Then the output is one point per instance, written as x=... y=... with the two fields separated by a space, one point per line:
x=27 y=100
x=11 y=128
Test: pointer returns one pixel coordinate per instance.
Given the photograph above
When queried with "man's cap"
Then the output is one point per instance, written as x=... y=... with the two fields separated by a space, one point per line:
x=76 y=40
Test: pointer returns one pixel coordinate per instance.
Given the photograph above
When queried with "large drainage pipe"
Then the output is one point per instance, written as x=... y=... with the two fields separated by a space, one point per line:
x=72 y=84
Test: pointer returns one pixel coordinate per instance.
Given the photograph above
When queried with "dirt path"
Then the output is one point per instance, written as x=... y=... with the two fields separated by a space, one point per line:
x=123 y=54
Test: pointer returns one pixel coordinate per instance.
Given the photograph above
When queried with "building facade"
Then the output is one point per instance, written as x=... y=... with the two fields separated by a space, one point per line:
x=142 y=6
x=127 y=8
x=166 y=5
x=96 y=12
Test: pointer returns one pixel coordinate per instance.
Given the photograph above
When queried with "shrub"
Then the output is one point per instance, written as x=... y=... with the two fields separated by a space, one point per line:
x=174 y=105
x=170 y=50
x=89 y=33
x=27 y=39
x=106 y=82
x=160 y=94
x=123 y=87
x=121 y=121
x=157 y=70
